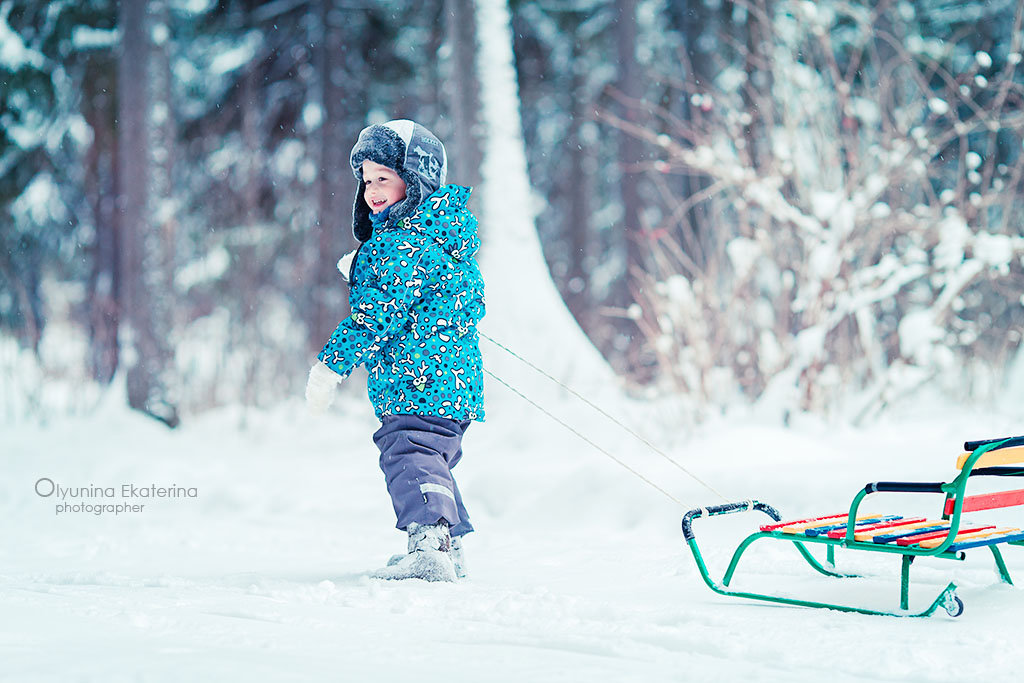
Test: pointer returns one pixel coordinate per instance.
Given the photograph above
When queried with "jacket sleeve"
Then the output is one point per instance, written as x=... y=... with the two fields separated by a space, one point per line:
x=379 y=309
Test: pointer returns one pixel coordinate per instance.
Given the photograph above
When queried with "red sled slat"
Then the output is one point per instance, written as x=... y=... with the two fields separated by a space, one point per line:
x=910 y=540
x=808 y=520
x=839 y=533
x=988 y=501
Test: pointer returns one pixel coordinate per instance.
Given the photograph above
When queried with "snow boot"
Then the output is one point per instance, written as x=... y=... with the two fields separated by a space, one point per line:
x=458 y=557
x=429 y=557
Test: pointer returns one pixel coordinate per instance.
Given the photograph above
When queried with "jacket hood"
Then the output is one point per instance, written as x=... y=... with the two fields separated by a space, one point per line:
x=445 y=218
x=415 y=154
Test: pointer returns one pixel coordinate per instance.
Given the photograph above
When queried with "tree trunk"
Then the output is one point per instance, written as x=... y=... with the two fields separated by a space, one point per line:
x=693 y=22
x=144 y=330
x=629 y=84
x=335 y=186
x=101 y=183
x=249 y=338
x=579 y=197
x=463 y=92
x=759 y=80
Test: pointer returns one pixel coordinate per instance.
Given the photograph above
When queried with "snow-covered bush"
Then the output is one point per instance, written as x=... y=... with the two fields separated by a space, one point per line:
x=863 y=192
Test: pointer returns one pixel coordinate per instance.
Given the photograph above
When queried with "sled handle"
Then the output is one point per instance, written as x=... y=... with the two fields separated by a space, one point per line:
x=905 y=487
x=725 y=509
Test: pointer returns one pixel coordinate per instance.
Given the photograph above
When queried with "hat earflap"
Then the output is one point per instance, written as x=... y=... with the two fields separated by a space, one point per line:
x=362 y=228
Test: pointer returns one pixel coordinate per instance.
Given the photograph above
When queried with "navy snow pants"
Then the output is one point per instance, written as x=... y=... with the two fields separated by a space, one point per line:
x=417 y=454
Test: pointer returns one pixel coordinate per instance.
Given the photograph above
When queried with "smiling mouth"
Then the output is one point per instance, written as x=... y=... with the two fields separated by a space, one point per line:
x=377 y=203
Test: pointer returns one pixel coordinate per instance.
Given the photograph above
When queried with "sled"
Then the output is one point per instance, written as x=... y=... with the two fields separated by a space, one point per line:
x=946 y=537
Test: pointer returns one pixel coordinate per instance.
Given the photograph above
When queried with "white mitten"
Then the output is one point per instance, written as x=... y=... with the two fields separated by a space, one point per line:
x=320 y=387
x=345 y=264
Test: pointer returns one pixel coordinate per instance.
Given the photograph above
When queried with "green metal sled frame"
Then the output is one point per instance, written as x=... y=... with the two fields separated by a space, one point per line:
x=947 y=598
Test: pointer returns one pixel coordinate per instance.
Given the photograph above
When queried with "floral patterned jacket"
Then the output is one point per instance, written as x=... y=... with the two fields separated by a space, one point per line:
x=416 y=297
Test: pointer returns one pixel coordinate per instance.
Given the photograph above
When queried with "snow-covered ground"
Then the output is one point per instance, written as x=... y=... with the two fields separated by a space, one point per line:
x=578 y=569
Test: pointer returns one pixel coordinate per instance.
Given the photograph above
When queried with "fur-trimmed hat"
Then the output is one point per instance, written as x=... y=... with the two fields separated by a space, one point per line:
x=415 y=154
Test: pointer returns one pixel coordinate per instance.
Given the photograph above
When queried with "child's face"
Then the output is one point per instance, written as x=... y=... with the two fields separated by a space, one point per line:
x=383 y=186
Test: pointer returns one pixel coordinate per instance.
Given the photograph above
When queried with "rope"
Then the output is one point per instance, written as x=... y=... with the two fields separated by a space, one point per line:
x=577 y=433
x=603 y=412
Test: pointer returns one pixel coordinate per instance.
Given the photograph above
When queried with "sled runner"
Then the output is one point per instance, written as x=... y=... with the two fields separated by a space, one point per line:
x=946 y=537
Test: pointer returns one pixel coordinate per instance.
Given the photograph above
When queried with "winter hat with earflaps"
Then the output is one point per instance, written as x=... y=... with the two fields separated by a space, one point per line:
x=415 y=154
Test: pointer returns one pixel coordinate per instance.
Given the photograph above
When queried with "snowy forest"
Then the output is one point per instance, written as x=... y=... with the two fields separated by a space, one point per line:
x=768 y=251
x=816 y=204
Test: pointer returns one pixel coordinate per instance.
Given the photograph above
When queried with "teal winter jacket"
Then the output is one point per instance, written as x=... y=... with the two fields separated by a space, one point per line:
x=416 y=296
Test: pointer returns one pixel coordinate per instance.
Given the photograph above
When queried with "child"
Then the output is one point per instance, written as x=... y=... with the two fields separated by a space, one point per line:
x=416 y=296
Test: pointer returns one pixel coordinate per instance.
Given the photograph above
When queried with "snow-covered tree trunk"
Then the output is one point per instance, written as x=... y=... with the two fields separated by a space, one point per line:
x=524 y=309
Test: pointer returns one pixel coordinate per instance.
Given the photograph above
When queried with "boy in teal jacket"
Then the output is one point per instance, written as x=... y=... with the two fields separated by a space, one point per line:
x=416 y=296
